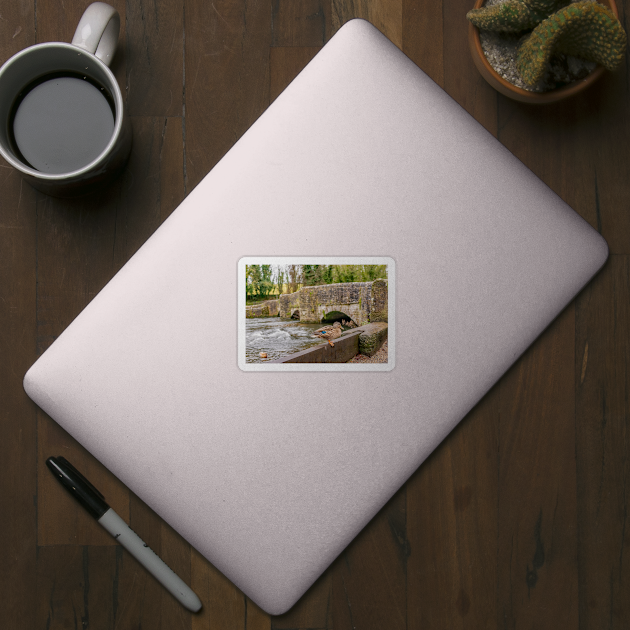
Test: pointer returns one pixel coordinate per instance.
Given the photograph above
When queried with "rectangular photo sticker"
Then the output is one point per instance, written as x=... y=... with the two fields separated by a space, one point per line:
x=316 y=313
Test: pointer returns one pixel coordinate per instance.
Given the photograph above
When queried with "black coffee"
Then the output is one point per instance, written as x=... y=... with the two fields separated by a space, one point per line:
x=62 y=123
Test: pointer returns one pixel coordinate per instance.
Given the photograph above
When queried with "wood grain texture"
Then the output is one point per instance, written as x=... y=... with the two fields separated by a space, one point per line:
x=17 y=27
x=452 y=527
x=151 y=187
x=313 y=610
x=518 y=520
x=153 y=606
x=301 y=23
x=537 y=536
x=602 y=382
x=285 y=64
x=18 y=324
x=18 y=416
x=154 y=57
x=607 y=140
x=559 y=148
x=462 y=81
x=369 y=578
x=422 y=36
x=576 y=148
x=386 y=15
x=224 y=606
x=226 y=78
x=60 y=520
x=76 y=587
x=57 y=22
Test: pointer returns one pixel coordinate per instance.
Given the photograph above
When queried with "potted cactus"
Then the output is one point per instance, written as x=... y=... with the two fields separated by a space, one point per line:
x=557 y=49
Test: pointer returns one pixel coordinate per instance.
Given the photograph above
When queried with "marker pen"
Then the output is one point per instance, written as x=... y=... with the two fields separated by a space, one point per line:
x=94 y=502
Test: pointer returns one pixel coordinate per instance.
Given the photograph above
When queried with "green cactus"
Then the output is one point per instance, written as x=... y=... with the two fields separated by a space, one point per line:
x=583 y=29
x=513 y=16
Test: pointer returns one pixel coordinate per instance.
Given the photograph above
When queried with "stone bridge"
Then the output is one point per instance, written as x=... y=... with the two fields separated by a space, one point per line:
x=363 y=302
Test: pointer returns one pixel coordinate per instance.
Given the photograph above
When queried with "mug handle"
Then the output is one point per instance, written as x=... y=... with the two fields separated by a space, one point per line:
x=98 y=30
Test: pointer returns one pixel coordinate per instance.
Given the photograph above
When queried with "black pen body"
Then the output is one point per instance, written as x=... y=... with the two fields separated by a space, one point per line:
x=78 y=486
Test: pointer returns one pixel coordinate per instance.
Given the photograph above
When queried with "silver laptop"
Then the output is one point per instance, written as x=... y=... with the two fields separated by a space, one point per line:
x=270 y=474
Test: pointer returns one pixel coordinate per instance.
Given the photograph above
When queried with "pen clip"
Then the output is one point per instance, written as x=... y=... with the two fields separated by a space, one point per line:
x=65 y=463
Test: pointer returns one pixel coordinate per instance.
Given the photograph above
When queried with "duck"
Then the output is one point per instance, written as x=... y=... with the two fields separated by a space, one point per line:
x=349 y=324
x=329 y=333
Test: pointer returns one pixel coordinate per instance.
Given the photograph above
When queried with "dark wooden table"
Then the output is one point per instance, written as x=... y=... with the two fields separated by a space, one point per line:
x=518 y=520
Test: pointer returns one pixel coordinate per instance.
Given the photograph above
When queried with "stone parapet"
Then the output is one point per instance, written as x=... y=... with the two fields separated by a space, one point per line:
x=379 y=300
x=346 y=347
x=270 y=308
x=351 y=298
x=290 y=305
x=372 y=338
x=362 y=302
x=364 y=340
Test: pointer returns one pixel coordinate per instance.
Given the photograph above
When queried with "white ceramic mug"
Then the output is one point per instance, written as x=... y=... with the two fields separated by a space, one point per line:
x=86 y=58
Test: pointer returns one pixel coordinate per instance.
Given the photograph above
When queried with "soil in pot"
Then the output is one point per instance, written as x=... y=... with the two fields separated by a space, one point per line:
x=500 y=50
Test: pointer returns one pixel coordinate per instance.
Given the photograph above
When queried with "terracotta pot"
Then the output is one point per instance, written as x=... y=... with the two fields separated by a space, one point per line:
x=512 y=91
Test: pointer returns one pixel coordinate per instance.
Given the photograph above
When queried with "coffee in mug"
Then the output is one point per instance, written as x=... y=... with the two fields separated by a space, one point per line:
x=62 y=122
x=65 y=128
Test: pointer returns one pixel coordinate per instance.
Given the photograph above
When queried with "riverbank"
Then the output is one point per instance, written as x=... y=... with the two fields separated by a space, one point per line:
x=379 y=357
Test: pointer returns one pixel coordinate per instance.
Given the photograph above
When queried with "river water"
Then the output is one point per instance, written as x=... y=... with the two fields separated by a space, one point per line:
x=277 y=337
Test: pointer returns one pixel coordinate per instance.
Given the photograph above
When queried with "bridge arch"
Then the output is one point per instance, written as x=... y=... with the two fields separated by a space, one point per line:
x=361 y=302
x=334 y=316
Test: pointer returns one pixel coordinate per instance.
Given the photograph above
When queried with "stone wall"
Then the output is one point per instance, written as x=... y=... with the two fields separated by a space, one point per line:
x=372 y=338
x=270 y=308
x=378 y=306
x=289 y=304
x=351 y=298
x=365 y=340
x=345 y=348
x=363 y=302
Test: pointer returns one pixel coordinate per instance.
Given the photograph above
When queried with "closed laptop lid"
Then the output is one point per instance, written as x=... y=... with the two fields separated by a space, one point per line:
x=270 y=474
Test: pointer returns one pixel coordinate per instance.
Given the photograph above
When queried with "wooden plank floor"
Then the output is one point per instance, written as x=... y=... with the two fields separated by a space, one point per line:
x=518 y=520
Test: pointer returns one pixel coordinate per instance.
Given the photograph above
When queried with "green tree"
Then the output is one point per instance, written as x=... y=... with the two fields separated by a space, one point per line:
x=280 y=278
x=252 y=280
x=327 y=275
x=345 y=273
x=265 y=285
x=308 y=274
x=317 y=274
x=372 y=272
x=294 y=277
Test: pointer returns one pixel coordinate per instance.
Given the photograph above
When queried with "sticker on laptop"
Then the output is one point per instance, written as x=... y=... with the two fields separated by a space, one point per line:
x=315 y=314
